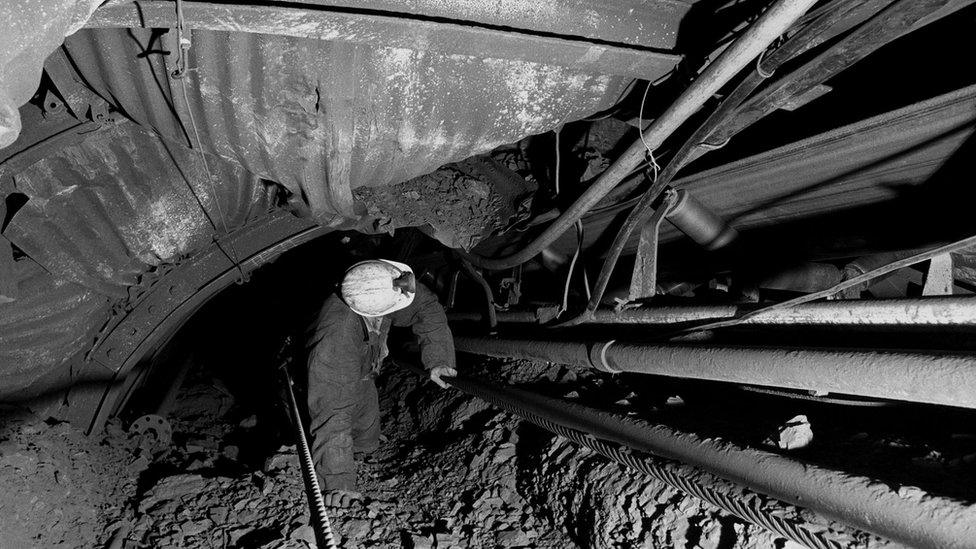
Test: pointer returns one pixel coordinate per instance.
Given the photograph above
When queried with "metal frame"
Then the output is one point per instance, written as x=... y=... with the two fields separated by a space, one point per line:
x=149 y=322
x=448 y=38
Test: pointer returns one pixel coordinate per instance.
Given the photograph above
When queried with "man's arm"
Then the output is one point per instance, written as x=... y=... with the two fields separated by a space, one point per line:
x=426 y=318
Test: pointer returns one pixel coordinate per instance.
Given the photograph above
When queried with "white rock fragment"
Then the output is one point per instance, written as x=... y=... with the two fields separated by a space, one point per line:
x=675 y=400
x=796 y=433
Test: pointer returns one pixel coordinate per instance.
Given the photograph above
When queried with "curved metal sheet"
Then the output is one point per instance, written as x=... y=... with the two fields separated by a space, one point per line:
x=50 y=321
x=325 y=117
x=107 y=210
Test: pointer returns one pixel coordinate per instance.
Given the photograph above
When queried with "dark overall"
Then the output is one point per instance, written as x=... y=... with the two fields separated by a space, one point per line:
x=342 y=361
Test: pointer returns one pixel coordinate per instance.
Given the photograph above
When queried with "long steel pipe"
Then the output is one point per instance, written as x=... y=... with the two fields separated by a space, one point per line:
x=912 y=518
x=934 y=378
x=928 y=311
x=773 y=23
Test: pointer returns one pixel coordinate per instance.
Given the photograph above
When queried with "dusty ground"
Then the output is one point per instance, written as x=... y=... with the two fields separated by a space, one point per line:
x=451 y=472
x=59 y=488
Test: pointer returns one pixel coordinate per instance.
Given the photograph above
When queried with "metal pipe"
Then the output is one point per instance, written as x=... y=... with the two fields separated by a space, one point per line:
x=699 y=223
x=773 y=23
x=929 y=311
x=930 y=377
x=917 y=520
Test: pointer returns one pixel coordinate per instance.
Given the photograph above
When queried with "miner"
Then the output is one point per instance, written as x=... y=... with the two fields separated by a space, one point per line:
x=346 y=347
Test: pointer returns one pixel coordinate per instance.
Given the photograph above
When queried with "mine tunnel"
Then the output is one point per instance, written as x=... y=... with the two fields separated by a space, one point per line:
x=459 y=274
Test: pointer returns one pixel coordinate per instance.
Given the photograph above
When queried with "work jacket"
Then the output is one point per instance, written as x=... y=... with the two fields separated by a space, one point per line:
x=340 y=335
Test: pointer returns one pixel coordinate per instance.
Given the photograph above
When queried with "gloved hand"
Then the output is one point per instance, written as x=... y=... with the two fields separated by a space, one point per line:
x=436 y=373
x=340 y=499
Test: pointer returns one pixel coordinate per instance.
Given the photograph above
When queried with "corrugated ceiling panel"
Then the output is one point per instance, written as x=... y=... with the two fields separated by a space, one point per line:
x=51 y=319
x=105 y=211
x=324 y=117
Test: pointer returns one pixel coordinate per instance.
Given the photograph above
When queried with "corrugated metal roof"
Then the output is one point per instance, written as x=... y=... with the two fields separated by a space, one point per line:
x=105 y=211
x=51 y=320
x=320 y=117
x=323 y=117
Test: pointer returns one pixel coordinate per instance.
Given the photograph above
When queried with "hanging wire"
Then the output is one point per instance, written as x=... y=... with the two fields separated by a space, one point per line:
x=759 y=68
x=179 y=74
x=572 y=268
x=182 y=43
x=579 y=236
x=640 y=117
x=203 y=158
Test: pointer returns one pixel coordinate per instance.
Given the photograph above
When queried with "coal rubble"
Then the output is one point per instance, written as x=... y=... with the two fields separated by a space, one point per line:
x=451 y=472
x=59 y=488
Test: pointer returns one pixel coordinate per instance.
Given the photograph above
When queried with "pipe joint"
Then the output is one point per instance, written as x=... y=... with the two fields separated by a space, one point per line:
x=599 y=358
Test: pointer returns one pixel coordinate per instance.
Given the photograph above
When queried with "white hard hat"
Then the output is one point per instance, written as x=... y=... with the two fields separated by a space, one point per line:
x=378 y=287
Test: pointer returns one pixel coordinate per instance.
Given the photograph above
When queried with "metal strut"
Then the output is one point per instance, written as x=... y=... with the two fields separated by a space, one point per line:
x=746 y=505
x=320 y=517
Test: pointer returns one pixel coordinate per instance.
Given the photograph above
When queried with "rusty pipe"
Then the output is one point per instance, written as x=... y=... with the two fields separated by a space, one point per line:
x=773 y=23
x=928 y=377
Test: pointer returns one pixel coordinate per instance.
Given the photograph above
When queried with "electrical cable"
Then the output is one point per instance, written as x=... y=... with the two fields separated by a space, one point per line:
x=572 y=268
x=586 y=279
x=759 y=68
x=203 y=158
x=640 y=117
x=233 y=256
x=579 y=238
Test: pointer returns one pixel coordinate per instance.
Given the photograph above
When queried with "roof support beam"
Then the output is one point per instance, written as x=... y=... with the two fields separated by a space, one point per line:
x=447 y=38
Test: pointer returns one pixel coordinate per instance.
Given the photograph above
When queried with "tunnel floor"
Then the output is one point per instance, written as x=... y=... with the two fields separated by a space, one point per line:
x=451 y=471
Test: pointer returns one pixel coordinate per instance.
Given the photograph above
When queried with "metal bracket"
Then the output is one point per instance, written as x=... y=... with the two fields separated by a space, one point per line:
x=510 y=289
x=643 y=281
x=81 y=102
x=939 y=278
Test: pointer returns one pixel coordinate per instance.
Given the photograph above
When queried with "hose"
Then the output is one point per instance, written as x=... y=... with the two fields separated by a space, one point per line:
x=860 y=502
x=320 y=517
x=746 y=505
